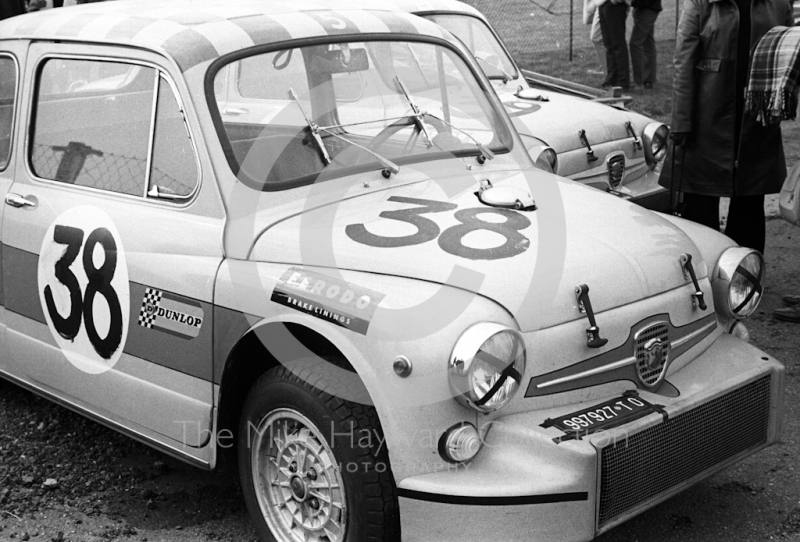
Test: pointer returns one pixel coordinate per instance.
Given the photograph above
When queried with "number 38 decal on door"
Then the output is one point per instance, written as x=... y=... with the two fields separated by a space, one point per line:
x=83 y=288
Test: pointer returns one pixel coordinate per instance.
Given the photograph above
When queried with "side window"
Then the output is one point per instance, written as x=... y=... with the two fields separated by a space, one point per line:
x=8 y=93
x=174 y=168
x=102 y=124
x=92 y=125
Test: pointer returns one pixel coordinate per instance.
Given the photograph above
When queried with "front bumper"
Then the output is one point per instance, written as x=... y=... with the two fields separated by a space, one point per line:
x=524 y=486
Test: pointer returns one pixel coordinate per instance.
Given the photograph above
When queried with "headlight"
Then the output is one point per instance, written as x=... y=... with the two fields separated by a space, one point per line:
x=654 y=137
x=737 y=281
x=486 y=366
x=545 y=158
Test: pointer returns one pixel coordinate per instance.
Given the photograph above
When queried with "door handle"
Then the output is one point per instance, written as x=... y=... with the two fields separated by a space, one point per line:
x=234 y=111
x=15 y=200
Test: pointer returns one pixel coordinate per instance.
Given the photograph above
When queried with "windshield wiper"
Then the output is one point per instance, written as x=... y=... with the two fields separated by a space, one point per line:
x=312 y=126
x=417 y=114
x=486 y=152
x=385 y=162
x=506 y=77
x=316 y=129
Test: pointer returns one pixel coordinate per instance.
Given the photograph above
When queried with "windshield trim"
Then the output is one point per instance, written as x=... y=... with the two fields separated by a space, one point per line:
x=517 y=72
x=505 y=132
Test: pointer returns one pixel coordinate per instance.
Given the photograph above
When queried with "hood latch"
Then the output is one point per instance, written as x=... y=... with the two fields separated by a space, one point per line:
x=688 y=269
x=637 y=144
x=589 y=152
x=593 y=339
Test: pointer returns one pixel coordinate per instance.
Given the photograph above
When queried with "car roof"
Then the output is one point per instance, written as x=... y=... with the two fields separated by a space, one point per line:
x=431 y=6
x=194 y=32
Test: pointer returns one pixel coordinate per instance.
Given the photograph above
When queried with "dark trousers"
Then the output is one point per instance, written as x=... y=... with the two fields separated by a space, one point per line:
x=612 y=24
x=643 y=46
x=746 y=220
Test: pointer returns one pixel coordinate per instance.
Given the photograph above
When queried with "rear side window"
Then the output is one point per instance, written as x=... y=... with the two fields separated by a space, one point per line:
x=111 y=126
x=8 y=94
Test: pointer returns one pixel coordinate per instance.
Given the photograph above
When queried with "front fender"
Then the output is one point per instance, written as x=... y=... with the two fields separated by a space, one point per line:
x=414 y=411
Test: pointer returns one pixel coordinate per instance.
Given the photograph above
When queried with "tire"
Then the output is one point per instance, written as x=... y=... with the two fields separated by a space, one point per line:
x=331 y=482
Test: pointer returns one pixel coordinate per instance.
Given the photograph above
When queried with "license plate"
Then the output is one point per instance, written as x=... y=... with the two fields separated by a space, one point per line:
x=612 y=413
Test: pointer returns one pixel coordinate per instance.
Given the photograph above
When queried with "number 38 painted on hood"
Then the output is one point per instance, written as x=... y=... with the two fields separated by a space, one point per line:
x=311 y=239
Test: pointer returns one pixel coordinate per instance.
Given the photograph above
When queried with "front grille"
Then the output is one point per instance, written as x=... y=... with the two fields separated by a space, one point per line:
x=616 y=170
x=647 y=374
x=644 y=465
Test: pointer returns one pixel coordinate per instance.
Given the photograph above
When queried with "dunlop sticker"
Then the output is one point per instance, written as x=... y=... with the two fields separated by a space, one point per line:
x=327 y=298
x=171 y=314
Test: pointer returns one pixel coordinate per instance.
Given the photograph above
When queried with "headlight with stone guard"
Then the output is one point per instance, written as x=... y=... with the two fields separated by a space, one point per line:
x=486 y=366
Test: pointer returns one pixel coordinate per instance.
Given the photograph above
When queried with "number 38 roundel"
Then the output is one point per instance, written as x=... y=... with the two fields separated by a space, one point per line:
x=83 y=288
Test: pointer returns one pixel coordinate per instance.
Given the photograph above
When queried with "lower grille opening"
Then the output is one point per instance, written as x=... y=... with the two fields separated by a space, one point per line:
x=646 y=464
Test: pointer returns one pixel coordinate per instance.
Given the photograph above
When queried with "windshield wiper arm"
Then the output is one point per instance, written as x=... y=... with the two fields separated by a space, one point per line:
x=417 y=113
x=506 y=76
x=385 y=162
x=486 y=152
x=312 y=126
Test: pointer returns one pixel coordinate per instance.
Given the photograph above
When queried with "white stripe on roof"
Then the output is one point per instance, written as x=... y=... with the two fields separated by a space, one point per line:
x=158 y=32
x=102 y=25
x=299 y=25
x=225 y=36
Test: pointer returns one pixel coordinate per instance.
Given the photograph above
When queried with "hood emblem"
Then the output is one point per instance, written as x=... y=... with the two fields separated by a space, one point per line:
x=616 y=169
x=651 y=349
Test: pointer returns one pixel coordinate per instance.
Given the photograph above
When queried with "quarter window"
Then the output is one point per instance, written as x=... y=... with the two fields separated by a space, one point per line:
x=111 y=126
x=8 y=93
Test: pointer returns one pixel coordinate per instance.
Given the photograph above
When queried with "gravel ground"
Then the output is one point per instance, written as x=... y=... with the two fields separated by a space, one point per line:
x=64 y=478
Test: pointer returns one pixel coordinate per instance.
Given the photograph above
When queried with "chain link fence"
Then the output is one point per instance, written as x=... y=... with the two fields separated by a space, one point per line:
x=556 y=26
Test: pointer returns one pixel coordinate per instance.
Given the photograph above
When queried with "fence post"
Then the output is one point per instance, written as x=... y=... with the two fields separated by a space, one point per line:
x=571 y=7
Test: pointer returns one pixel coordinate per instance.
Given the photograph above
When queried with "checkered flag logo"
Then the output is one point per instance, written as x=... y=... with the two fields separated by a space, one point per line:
x=147 y=314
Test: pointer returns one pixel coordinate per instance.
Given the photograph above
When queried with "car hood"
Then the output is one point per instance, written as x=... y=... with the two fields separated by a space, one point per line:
x=433 y=230
x=558 y=120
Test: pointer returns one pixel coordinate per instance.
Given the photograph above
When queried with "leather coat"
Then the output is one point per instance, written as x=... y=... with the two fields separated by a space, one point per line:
x=703 y=104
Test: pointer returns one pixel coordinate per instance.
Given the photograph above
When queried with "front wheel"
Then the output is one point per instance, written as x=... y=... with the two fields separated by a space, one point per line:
x=313 y=466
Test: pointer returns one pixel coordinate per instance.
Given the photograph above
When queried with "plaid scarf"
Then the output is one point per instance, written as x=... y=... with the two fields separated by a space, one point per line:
x=774 y=76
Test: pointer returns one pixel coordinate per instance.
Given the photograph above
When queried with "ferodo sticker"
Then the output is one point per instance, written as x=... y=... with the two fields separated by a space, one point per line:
x=83 y=288
x=327 y=298
x=171 y=314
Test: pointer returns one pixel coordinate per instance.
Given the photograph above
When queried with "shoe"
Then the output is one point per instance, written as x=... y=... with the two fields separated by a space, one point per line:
x=791 y=300
x=788 y=314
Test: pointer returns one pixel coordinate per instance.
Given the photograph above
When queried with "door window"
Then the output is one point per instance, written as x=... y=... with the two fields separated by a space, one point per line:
x=111 y=126
x=8 y=94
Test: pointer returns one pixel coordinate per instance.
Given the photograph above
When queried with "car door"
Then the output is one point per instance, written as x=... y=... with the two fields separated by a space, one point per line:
x=112 y=239
x=12 y=56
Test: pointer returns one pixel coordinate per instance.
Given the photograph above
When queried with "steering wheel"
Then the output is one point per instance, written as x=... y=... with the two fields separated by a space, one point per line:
x=384 y=135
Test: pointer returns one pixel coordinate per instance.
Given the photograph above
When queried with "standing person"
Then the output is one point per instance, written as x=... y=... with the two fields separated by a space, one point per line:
x=643 y=41
x=591 y=16
x=10 y=8
x=613 y=15
x=723 y=152
x=597 y=41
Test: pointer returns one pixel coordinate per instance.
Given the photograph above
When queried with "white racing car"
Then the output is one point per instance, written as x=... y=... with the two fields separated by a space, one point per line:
x=592 y=140
x=312 y=238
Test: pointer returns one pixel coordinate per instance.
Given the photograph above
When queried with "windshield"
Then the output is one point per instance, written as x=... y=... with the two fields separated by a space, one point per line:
x=481 y=41
x=289 y=115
